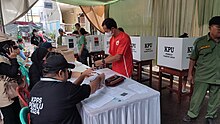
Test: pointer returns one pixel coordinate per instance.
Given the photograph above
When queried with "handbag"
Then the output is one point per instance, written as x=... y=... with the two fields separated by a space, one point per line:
x=114 y=80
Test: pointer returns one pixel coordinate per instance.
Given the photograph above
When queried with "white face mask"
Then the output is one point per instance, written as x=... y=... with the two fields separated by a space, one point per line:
x=108 y=34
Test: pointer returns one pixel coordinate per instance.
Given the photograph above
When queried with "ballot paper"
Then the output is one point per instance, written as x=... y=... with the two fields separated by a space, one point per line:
x=98 y=99
x=106 y=72
x=138 y=88
x=119 y=93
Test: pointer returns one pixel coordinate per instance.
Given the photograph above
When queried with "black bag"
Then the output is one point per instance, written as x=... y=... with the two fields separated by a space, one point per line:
x=114 y=80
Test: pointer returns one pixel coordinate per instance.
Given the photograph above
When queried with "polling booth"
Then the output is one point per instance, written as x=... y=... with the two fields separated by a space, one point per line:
x=71 y=43
x=94 y=43
x=173 y=56
x=144 y=51
x=95 y=47
x=144 y=47
x=106 y=41
x=174 y=52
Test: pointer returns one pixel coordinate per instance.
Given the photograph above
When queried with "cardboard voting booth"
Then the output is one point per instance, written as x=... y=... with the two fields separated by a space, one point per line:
x=62 y=48
x=69 y=55
x=174 y=52
x=70 y=42
x=106 y=41
x=94 y=43
x=143 y=47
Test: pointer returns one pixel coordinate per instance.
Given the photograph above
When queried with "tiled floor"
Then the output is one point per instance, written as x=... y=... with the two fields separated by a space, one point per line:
x=172 y=112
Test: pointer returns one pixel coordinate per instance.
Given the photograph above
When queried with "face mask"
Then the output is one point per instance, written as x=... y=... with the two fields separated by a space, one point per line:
x=108 y=34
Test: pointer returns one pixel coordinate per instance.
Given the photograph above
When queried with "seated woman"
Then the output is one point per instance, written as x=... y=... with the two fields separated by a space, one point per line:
x=35 y=71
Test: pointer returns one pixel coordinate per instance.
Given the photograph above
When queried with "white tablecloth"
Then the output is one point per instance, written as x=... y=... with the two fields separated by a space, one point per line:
x=141 y=108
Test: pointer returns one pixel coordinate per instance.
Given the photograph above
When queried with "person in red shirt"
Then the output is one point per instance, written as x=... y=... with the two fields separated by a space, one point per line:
x=120 y=49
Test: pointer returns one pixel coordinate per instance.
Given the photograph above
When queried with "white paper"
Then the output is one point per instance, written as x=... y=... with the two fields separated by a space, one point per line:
x=119 y=93
x=108 y=73
x=138 y=88
x=98 y=99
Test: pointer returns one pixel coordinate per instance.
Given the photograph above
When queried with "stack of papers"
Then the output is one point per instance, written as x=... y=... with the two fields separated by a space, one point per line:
x=106 y=95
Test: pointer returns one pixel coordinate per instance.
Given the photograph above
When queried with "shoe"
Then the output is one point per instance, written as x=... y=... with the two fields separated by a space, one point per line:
x=209 y=121
x=187 y=118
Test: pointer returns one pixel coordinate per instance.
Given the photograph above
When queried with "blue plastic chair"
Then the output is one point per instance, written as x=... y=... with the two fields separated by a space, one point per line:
x=25 y=72
x=24 y=115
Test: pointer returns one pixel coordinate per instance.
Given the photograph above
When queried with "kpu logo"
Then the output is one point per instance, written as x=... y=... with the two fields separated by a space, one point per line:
x=168 y=49
x=148 y=45
x=133 y=45
x=189 y=49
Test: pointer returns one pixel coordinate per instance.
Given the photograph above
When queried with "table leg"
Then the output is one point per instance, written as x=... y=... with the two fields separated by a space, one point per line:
x=139 y=71
x=150 y=76
x=160 y=80
x=179 y=92
x=171 y=83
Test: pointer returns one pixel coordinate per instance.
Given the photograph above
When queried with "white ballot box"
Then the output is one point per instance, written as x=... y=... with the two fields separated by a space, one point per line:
x=174 y=52
x=71 y=42
x=143 y=47
x=94 y=43
x=106 y=41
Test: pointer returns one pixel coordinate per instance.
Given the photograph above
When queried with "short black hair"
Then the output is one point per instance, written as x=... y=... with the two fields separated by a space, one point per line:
x=34 y=30
x=109 y=23
x=77 y=24
x=19 y=40
x=82 y=31
x=60 y=30
x=121 y=29
x=214 y=20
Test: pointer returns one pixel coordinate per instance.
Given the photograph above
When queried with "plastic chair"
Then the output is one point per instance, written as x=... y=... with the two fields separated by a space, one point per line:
x=25 y=72
x=24 y=115
x=23 y=95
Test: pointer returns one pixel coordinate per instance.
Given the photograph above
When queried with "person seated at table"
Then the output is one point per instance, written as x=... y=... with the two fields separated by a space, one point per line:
x=53 y=99
x=35 y=70
x=48 y=46
x=21 y=47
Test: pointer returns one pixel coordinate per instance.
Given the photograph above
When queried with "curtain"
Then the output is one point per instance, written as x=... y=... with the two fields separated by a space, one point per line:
x=95 y=14
x=14 y=9
x=87 y=2
x=164 y=17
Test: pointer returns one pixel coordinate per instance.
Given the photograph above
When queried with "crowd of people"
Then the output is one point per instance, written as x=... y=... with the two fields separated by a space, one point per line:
x=49 y=73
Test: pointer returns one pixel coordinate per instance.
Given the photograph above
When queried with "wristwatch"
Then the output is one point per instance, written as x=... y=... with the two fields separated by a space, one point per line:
x=103 y=61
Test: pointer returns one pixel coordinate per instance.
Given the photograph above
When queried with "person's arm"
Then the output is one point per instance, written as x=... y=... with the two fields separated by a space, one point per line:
x=10 y=70
x=22 y=55
x=79 y=80
x=81 y=50
x=193 y=58
x=84 y=74
x=109 y=59
x=96 y=83
x=191 y=70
